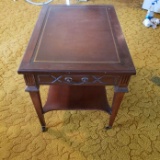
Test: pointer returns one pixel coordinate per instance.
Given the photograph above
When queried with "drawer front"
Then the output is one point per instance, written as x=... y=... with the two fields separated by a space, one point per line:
x=78 y=79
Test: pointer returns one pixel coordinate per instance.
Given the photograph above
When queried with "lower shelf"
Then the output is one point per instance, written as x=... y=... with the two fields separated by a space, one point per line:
x=65 y=97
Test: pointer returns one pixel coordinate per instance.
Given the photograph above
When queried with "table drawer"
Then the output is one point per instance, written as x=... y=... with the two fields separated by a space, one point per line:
x=78 y=79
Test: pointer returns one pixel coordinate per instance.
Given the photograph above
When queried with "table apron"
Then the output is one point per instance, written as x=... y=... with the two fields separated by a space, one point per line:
x=78 y=79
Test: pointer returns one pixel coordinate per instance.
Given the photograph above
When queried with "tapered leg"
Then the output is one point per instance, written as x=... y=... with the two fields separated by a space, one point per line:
x=35 y=96
x=117 y=99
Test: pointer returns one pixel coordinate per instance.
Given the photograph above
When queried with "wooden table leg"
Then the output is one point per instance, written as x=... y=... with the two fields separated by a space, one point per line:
x=35 y=96
x=117 y=99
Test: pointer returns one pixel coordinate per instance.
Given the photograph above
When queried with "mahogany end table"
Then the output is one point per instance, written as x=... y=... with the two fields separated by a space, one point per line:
x=77 y=50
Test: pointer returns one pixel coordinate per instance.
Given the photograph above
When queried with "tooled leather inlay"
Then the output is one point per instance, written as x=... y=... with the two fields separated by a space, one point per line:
x=77 y=35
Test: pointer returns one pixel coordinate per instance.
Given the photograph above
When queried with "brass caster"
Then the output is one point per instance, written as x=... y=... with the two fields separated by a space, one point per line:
x=108 y=127
x=44 y=129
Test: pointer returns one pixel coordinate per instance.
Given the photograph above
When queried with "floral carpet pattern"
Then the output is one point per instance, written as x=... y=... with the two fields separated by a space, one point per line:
x=80 y=135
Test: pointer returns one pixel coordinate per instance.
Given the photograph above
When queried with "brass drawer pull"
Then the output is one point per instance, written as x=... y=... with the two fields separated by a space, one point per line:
x=70 y=80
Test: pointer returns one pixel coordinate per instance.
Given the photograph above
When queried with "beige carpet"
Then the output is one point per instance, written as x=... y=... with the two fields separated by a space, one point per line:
x=80 y=135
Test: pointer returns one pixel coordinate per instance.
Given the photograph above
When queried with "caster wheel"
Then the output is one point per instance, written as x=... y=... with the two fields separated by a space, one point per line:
x=108 y=127
x=44 y=129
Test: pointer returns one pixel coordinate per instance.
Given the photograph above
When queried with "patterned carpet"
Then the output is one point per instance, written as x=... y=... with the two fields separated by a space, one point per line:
x=80 y=135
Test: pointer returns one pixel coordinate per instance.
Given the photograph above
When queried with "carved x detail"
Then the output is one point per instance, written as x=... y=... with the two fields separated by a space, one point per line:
x=56 y=79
